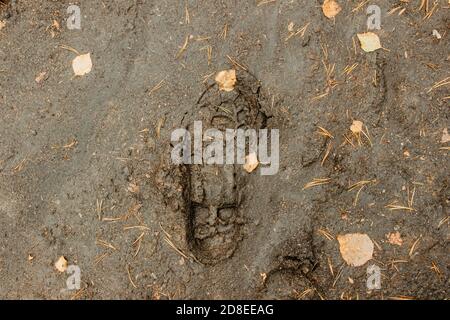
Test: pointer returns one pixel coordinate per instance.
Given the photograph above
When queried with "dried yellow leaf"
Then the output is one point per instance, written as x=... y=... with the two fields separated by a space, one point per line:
x=291 y=27
x=251 y=162
x=226 y=80
x=331 y=8
x=445 y=136
x=369 y=41
x=41 y=77
x=356 y=248
x=395 y=238
x=61 y=264
x=82 y=64
x=356 y=126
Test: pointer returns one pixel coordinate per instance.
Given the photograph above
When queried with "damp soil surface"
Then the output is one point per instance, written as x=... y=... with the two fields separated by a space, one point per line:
x=85 y=168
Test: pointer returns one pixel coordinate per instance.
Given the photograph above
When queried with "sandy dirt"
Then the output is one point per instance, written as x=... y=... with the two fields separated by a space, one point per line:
x=84 y=161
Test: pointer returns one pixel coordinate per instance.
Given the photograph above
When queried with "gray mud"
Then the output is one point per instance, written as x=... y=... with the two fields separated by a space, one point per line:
x=84 y=170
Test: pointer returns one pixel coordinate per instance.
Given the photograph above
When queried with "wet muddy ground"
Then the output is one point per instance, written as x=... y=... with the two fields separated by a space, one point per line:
x=85 y=169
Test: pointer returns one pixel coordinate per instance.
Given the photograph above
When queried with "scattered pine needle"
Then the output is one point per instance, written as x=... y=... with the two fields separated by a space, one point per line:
x=324 y=132
x=349 y=69
x=393 y=10
x=200 y=38
x=413 y=247
x=438 y=84
x=301 y=31
x=224 y=32
x=236 y=63
x=409 y=207
x=424 y=5
x=431 y=12
x=70 y=49
x=136 y=227
x=99 y=209
x=327 y=153
x=330 y=265
x=320 y=96
x=326 y=234
x=398 y=207
x=157 y=87
x=263 y=2
x=167 y=238
x=207 y=77
x=300 y=296
x=19 y=167
x=316 y=182
x=338 y=275
x=100 y=258
x=183 y=48
x=111 y=219
x=443 y=221
x=360 y=185
x=170 y=243
x=78 y=294
x=359 y=6
x=71 y=144
x=435 y=268
x=129 y=276
x=187 y=15
x=402 y=298
x=106 y=244
x=411 y=197
x=138 y=242
x=208 y=49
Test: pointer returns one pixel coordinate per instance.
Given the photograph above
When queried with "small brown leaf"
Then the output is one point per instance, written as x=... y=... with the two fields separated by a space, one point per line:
x=331 y=8
x=61 y=264
x=356 y=248
x=226 y=80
